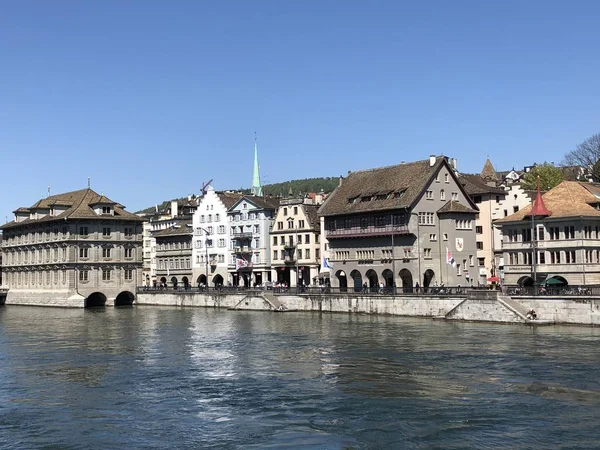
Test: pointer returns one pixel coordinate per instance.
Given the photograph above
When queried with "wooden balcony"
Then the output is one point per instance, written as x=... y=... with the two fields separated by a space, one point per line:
x=370 y=231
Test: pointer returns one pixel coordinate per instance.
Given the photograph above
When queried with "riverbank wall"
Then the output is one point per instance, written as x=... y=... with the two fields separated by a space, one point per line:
x=480 y=306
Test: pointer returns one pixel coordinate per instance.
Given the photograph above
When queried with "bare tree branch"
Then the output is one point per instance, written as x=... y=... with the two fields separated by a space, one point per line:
x=587 y=155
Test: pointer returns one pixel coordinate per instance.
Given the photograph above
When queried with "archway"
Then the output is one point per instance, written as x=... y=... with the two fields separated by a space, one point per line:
x=125 y=298
x=373 y=280
x=407 y=280
x=525 y=281
x=186 y=283
x=218 y=280
x=342 y=280
x=556 y=281
x=201 y=280
x=388 y=276
x=357 y=280
x=95 y=300
x=174 y=282
x=163 y=282
x=428 y=278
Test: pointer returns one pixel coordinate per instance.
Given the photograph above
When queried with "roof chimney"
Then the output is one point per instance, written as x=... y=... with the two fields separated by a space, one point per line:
x=431 y=160
x=341 y=178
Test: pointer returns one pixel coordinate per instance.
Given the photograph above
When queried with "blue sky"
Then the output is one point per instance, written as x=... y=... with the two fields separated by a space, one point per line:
x=150 y=98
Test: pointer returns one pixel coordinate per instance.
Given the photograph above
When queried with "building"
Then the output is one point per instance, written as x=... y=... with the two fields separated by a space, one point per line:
x=296 y=257
x=399 y=225
x=74 y=249
x=250 y=221
x=174 y=254
x=562 y=229
x=211 y=237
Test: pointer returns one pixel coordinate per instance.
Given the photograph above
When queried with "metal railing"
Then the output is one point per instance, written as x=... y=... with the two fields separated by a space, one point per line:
x=553 y=291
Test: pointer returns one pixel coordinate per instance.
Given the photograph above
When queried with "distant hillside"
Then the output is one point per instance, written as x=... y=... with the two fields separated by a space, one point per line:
x=293 y=187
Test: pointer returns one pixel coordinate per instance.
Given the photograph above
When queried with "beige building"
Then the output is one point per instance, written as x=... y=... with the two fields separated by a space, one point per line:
x=74 y=249
x=564 y=236
x=174 y=255
x=296 y=251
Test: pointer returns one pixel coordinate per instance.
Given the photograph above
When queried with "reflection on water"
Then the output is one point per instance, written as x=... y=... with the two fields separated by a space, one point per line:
x=200 y=378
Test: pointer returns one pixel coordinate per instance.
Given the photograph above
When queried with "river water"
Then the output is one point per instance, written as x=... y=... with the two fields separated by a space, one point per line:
x=199 y=378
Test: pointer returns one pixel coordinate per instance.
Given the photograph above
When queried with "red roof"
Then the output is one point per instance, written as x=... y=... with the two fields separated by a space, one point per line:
x=539 y=209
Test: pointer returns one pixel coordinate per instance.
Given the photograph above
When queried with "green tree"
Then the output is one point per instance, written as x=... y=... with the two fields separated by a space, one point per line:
x=586 y=155
x=547 y=174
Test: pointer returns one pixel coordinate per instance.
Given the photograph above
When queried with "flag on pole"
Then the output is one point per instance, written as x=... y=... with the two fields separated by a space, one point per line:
x=449 y=258
x=240 y=263
x=326 y=264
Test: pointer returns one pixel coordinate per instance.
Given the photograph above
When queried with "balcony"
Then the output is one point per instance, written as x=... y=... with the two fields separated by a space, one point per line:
x=242 y=249
x=370 y=231
x=289 y=260
x=289 y=246
x=241 y=236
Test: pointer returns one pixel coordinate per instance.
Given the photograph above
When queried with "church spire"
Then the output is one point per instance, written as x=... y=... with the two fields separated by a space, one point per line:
x=538 y=209
x=256 y=187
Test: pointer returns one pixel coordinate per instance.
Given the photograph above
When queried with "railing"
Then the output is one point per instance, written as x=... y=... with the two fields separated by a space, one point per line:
x=367 y=231
x=553 y=291
x=242 y=236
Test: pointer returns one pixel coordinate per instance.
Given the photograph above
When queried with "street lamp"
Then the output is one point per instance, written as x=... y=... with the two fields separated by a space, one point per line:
x=206 y=250
x=393 y=260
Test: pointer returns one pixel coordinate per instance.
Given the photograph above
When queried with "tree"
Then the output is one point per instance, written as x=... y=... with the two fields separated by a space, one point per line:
x=547 y=174
x=586 y=155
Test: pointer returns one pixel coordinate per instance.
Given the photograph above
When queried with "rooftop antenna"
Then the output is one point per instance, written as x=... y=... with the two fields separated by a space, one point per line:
x=89 y=183
x=48 y=191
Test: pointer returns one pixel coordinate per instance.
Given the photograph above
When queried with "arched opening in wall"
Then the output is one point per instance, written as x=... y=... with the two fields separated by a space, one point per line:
x=525 y=281
x=428 y=278
x=163 y=282
x=125 y=298
x=356 y=280
x=218 y=280
x=174 y=282
x=201 y=280
x=555 y=281
x=342 y=280
x=407 y=281
x=373 y=280
x=186 y=283
x=95 y=300
x=388 y=276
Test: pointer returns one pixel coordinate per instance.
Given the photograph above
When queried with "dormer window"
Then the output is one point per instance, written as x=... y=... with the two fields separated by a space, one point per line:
x=106 y=210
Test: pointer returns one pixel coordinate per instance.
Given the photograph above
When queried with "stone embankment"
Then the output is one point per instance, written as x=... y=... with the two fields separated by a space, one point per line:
x=481 y=306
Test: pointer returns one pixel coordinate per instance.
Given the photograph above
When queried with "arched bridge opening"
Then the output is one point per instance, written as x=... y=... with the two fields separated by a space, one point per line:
x=125 y=298
x=95 y=300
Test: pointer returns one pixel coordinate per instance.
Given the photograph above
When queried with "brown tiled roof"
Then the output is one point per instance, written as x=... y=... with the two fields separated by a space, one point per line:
x=312 y=213
x=79 y=208
x=452 y=206
x=475 y=185
x=261 y=202
x=229 y=198
x=488 y=172
x=397 y=186
x=181 y=228
x=101 y=199
x=568 y=199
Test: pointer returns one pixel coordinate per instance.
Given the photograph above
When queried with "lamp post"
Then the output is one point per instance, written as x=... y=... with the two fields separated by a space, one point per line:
x=291 y=222
x=393 y=260
x=206 y=250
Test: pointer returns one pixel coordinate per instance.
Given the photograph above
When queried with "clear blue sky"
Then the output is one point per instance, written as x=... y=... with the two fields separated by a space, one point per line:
x=151 y=98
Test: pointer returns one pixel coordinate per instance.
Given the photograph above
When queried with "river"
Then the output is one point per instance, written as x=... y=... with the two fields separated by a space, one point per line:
x=148 y=377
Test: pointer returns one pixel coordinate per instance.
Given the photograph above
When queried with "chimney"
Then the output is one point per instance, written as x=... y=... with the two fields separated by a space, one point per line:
x=455 y=164
x=341 y=178
x=174 y=208
x=431 y=160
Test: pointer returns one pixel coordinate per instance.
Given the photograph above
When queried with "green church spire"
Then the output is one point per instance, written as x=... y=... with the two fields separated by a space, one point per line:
x=256 y=187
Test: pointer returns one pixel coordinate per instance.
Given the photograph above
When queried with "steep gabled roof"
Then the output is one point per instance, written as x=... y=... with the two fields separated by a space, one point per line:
x=452 y=206
x=568 y=199
x=381 y=189
x=312 y=215
x=488 y=172
x=180 y=228
x=260 y=202
x=475 y=185
x=229 y=198
x=79 y=205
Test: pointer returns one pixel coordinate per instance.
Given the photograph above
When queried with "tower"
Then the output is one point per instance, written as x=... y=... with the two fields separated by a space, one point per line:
x=256 y=187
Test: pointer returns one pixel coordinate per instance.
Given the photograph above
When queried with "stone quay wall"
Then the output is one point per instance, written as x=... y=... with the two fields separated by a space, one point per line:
x=575 y=311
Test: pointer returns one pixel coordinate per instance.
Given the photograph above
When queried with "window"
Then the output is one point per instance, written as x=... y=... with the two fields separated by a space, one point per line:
x=515 y=209
x=299 y=239
x=445 y=236
x=481 y=262
x=458 y=270
x=570 y=257
x=442 y=195
x=106 y=210
x=429 y=195
x=505 y=212
x=83 y=275
x=106 y=252
x=285 y=211
x=295 y=210
x=217 y=217
x=202 y=217
x=455 y=196
x=290 y=224
x=477 y=199
x=433 y=237
x=317 y=253
x=210 y=218
x=462 y=224
x=542 y=258
x=570 y=232
x=274 y=254
x=221 y=243
x=280 y=225
x=301 y=224
x=540 y=236
x=83 y=231
x=307 y=253
x=479 y=229
x=274 y=240
x=106 y=231
x=128 y=274
x=106 y=274
x=497 y=199
x=427 y=253
x=299 y=253
x=83 y=252
x=426 y=218
x=128 y=231
x=471 y=261
x=479 y=245
x=554 y=257
x=221 y=229
x=128 y=253
x=446 y=178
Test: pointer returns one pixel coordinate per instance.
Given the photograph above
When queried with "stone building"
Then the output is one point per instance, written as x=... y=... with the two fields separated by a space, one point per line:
x=399 y=225
x=211 y=237
x=74 y=249
x=250 y=220
x=564 y=236
x=295 y=242
x=174 y=254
